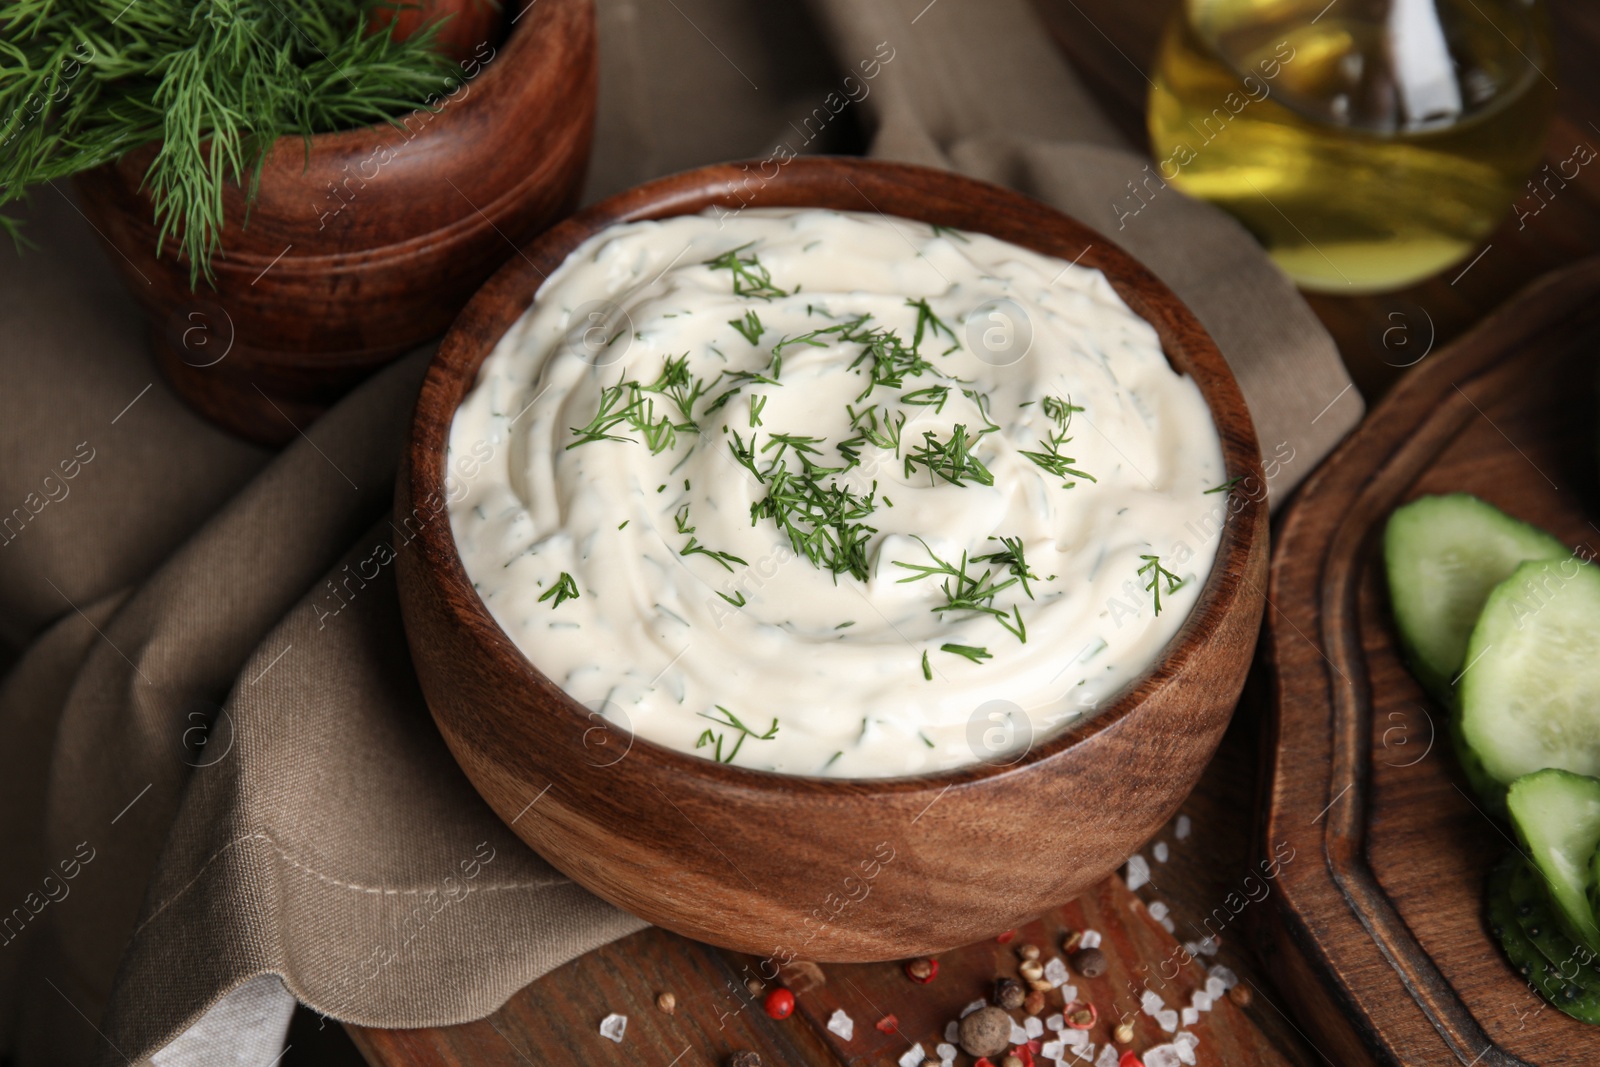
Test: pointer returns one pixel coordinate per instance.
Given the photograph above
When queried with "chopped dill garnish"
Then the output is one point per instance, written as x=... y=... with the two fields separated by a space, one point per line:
x=972 y=652
x=695 y=547
x=966 y=590
x=1225 y=487
x=865 y=423
x=757 y=402
x=951 y=460
x=623 y=523
x=564 y=589
x=945 y=231
x=846 y=623
x=749 y=327
x=1012 y=557
x=1158 y=572
x=750 y=278
x=709 y=736
x=1050 y=459
x=737 y=600
x=927 y=671
x=930 y=325
x=630 y=404
x=933 y=397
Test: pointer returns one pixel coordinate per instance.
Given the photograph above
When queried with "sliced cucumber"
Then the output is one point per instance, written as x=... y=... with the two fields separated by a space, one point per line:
x=1557 y=815
x=1577 y=999
x=1443 y=555
x=1545 y=932
x=1530 y=697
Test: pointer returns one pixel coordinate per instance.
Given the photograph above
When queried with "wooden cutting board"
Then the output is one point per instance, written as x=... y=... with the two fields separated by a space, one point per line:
x=1381 y=941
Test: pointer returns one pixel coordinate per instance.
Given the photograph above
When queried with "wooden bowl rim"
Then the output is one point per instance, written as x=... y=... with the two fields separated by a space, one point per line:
x=478 y=329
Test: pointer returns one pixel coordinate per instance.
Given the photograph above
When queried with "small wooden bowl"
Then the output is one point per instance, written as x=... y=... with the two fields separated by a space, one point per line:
x=817 y=868
x=369 y=244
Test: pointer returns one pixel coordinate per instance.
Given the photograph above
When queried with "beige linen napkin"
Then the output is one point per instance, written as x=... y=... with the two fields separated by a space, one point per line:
x=182 y=588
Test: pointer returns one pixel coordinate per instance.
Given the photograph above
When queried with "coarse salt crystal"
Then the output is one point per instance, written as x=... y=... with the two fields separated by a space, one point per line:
x=1075 y=1038
x=1138 y=872
x=1184 y=1039
x=1181 y=831
x=946 y=1051
x=1159 y=910
x=1033 y=1026
x=1055 y=1023
x=1185 y=1052
x=913 y=1056
x=1201 y=1000
x=1019 y=1036
x=1052 y=1050
x=842 y=1024
x=1055 y=972
x=1069 y=993
x=1085 y=1053
x=974 y=1006
x=1192 y=948
x=1189 y=1016
x=1108 y=1056
x=1161 y=1056
x=1168 y=925
x=1215 y=988
x=1160 y=851
x=1167 y=1019
x=1090 y=939
x=1228 y=978
x=613 y=1026
x=952 y=1032
x=1151 y=1002
x=1208 y=946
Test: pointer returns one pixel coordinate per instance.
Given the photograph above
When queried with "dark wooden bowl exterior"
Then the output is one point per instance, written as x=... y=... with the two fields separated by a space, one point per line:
x=1377 y=931
x=311 y=297
x=795 y=866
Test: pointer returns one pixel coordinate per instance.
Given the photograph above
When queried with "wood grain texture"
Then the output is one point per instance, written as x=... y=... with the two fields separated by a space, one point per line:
x=773 y=864
x=717 y=1015
x=367 y=243
x=1364 y=775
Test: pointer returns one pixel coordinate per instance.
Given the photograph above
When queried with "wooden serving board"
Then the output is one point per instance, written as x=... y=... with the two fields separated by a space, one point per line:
x=1381 y=941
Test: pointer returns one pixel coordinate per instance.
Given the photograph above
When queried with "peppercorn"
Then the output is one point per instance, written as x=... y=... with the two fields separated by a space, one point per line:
x=985 y=1032
x=1240 y=995
x=667 y=1003
x=1071 y=941
x=779 y=1003
x=1033 y=1003
x=802 y=976
x=922 y=970
x=1123 y=1033
x=1008 y=994
x=1005 y=938
x=755 y=985
x=745 y=1059
x=1089 y=962
x=1128 y=1059
x=1031 y=970
x=1082 y=1018
x=1040 y=985
x=1011 y=1061
x=1028 y=952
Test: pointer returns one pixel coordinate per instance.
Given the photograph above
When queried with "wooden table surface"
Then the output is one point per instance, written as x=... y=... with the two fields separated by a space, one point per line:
x=1111 y=43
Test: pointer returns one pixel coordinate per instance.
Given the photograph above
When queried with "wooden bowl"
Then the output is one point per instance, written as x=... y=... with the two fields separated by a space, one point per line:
x=369 y=244
x=817 y=868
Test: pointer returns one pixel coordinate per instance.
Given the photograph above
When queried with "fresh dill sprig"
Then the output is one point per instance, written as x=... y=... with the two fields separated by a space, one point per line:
x=565 y=589
x=757 y=402
x=952 y=460
x=975 y=653
x=710 y=737
x=971 y=590
x=1225 y=487
x=737 y=600
x=1051 y=458
x=1157 y=572
x=932 y=325
x=629 y=403
x=214 y=85
x=749 y=327
x=868 y=431
x=694 y=547
x=1013 y=559
x=934 y=396
x=945 y=231
x=750 y=278
x=823 y=520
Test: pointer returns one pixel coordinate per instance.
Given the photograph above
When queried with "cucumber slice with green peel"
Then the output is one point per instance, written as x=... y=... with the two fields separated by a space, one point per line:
x=1530 y=697
x=1531 y=907
x=1573 y=998
x=1443 y=555
x=1557 y=815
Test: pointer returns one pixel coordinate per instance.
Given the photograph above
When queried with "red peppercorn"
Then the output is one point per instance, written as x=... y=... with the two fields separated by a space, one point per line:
x=1023 y=1053
x=984 y=1061
x=888 y=1024
x=1129 y=1059
x=922 y=970
x=780 y=1003
x=1007 y=937
x=1081 y=1018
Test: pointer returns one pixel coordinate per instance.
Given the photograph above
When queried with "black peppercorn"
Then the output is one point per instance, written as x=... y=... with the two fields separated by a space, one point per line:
x=1008 y=994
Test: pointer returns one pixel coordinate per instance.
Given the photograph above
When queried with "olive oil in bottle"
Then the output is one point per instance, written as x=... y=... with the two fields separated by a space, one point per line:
x=1366 y=144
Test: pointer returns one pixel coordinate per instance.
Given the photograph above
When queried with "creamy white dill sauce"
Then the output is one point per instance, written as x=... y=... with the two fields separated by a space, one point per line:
x=704 y=653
